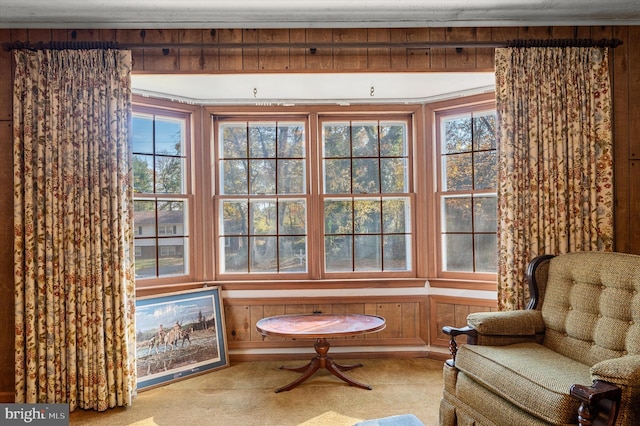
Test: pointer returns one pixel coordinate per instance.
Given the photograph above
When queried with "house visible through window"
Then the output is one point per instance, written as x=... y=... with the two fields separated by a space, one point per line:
x=160 y=193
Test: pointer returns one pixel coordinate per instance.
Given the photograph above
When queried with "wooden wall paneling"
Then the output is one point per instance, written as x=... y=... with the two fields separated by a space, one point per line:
x=621 y=122
x=256 y=313
x=231 y=59
x=210 y=56
x=319 y=59
x=484 y=55
x=379 y=59
x=634 y=101
x=410 y=319
x=190 y=59
x=460 y=58
x=418 y=59
x=392 y=313
x=273 y=59
x=398 y=57
x=38 y=34
x=350 y=59
x=438 y=55
x=6 y=81
x=297 y=56
x=137 y=55
x=453 y=311
x=7 y=308
x=634 y=210
x=542 y=33
x=250 y=57
x=237 y=322
x=159 y=59
x=80 y=35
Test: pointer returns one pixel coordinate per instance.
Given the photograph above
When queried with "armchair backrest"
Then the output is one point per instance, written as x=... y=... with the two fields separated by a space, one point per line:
x=591 y=305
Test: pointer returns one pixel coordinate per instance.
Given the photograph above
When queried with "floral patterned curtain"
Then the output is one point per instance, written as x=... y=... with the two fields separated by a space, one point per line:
x=74 y=277
x=555 y=173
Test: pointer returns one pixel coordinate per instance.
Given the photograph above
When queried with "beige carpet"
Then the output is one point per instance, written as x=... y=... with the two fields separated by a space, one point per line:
x=243 y=394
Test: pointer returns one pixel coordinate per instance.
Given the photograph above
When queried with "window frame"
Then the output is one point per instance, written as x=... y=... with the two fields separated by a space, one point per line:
x=443 y=278
x=163 y=108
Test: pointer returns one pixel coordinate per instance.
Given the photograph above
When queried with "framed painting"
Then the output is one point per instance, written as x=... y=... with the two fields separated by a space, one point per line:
x=179 y=335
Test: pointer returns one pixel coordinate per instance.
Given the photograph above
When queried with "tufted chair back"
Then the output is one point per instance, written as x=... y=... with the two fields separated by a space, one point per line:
x=591 y=306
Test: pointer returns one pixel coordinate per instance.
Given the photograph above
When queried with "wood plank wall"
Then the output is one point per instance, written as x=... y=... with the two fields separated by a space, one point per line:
x=625 y=69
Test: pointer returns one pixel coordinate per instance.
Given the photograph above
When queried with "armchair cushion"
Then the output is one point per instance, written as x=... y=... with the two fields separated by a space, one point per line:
x=507 y=323
x=528 y=375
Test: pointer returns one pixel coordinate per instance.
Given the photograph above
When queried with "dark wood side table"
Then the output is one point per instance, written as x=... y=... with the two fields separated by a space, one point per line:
x=320 y=327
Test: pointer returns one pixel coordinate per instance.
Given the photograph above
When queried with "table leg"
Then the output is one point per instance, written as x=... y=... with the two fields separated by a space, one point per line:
x=321 y=360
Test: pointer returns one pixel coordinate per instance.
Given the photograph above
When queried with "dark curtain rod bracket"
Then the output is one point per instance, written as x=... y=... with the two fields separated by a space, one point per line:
x=313 y=47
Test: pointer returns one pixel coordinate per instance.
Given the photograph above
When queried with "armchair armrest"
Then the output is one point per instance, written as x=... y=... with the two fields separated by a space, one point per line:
x=621 y=371
x=496 y=328
x=603 y=399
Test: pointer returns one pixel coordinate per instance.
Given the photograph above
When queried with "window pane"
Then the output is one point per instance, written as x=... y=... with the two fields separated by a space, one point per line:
x=397 y=252
x=395 y=175
x=144 y=217
x=293 y=217
x=338 y=253
x=170 y=175
x=263 y=254
x=366 y=176
x=366 y=215
x=365 y=139
x=234 y=140
x=396 y=216
x=393 y=141
x=143 y=173
x=169 y=137
x=142 y=134
x=172 y=256
x=486 y=247
x=262 y=140
x=263 y=218
x=368 y=253
x=291 y=177
x=457 y=214
x=484 y=131
x=456 y=134
x=235 y=255
x=291 y=140
x=172 y=216
x=336 y=141
x=457 y=172
x=146 y=262
x=337 y=176
x=293 y=254
x=263 y=176
x=234 y=177
x=485 y=170
x=235 y=218
x=458 y=252
x=485 y=214
x=338 y=217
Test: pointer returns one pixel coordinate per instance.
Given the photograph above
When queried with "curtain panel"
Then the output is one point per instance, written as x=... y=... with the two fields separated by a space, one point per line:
x=74 y=277
x=555 y=172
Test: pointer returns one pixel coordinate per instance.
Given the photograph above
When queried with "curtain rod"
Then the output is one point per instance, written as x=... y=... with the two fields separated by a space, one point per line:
x=75 y=45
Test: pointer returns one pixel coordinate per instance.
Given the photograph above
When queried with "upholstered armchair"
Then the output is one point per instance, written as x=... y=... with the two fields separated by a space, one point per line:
x=571 y=357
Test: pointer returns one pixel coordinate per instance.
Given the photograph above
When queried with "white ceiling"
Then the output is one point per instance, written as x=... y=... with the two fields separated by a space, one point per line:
x=313 y=13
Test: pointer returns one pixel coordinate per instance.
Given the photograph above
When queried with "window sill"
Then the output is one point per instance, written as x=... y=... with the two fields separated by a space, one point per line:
x=463 y=284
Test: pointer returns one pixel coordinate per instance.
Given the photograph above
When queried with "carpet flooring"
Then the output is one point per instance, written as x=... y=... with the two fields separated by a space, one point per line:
x=243 y=395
